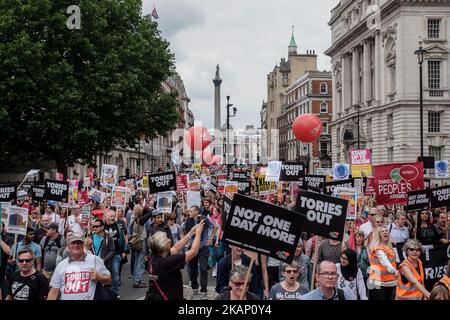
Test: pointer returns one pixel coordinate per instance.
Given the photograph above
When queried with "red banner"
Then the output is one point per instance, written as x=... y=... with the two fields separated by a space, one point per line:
x=370 y=187
x=393 y=181
x=182 y=182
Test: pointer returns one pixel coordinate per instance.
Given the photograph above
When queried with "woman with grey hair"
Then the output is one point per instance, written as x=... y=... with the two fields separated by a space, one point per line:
x=238 y=286
x=411 y=279
x=165 y=264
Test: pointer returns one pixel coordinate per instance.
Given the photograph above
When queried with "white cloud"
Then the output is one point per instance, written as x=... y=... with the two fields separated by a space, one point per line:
x=247 y=38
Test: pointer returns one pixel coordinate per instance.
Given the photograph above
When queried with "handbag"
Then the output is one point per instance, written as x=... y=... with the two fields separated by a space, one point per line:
x=104 y=293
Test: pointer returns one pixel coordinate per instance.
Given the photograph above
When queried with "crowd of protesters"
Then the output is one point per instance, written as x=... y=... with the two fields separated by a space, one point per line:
x=65 y=257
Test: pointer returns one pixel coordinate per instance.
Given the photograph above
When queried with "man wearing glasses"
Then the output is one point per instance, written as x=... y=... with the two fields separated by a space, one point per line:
x=368 y=227
x=27 y=284
x=102 y=243
x=327 y=278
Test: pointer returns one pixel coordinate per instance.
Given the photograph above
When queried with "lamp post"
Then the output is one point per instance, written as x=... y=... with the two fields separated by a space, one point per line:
x=227 y=150
x=420 y=53
x=358 y=108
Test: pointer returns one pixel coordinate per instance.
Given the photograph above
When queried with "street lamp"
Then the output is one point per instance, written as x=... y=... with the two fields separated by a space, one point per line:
x=358 y=108
x=420 y=53
x=227 y=150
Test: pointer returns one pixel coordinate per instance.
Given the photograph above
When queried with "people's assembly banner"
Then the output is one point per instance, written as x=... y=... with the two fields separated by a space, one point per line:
x=119 y=197
x=361 y=163
x=164 y=201
x=441 y=169
x=291 y=171
x=273 y=171
x=193 y=198
x=329 y=187
x=182 y=182
x=108 y=177
x=418 y=200
x=312 y=182
x=8 y=192
x=325 y=215
x=56 y=190
x=341 y=171
x=394 y=181
x=244 y=187
x=263 y=228
x=17 y=220
x=97 y=195
x=351 y=195
x=440 y=197
x=164 y=181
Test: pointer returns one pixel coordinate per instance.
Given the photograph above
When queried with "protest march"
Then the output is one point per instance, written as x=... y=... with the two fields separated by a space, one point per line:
x=289 y=238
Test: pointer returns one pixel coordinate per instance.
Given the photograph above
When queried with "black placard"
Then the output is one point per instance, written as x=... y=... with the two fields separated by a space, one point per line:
x=440 y=197
x=292 y=171
x=56 y=190
x=325 y=215
x=37 y=192
x=244 y=187
x=160 y=182
x=329 y=187
x=226 y=209
x=8 y=192
x=418 y=200
x=312 y=182
x=239 y=176
x=262 y=227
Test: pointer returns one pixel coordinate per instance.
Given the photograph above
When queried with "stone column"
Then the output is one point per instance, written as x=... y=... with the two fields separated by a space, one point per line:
x=377 y=67
x=346 y=85
x=367 y=72
x=217 y=82
x=356 y=95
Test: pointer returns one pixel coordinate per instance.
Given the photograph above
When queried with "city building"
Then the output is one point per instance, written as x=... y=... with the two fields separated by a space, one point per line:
x=282 y=76
x=376 y=78
x=311 y=93
x=247 y=144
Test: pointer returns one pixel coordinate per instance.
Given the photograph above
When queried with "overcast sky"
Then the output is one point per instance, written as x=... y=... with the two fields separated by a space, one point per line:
x=246 y=38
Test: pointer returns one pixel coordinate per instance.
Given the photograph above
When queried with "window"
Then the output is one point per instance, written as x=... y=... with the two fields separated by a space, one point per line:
x=434 y=74
x=323 y=107
x=325 y=127
x=323 y=88
x=435 y=152
x=324 y=147
x=390 y=125
x=434 y=26
x=434 y=121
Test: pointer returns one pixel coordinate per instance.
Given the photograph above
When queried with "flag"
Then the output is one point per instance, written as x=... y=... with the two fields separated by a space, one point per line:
x=32 y=172
x=155 y=13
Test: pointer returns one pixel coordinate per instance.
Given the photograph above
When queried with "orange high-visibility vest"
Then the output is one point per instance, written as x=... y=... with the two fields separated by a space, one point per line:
x=378 y=272
x=445 y=281
x=408 y=291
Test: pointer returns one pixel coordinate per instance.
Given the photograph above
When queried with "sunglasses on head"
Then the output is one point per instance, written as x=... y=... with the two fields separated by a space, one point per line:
x=24 y=260
x=291 y=271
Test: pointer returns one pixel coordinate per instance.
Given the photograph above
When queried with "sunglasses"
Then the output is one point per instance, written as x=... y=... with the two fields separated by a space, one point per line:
x=291 y=271
x=96 y=226
x=24 y=260
x=415 y=249
x=238 y=284
x=374 y=214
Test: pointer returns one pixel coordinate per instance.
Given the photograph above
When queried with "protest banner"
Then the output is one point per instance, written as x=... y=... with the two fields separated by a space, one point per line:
x=418 y=200
x=182 y=182
x=262 y=227
x=164 y=201
x=361 y=163
x=119 y=197
x=231 y=187
x=393 y=182
x=8 y=192
x=440 y=197
x=351 y=195
x=129 y=183
x=193 y=198
x=97 y=195
x=37 y=192
x=239 y=175
x=221 y=179
x=197 y=167
x=370 y=187
x=108 y=176
x=291 y=171
x=86 y=182
x=85 y=214
x=160 y=182
x=73 y=191
x=17 y=220
x=329 y=187
x=244 y=187
x=56 y=190
x=312 y=182
x=325 y=215
x=341 y=171
x=4 y=211
x=265 y=187
x=323 y=172
x=205 y=182
x=194 y=184
x=273 y=171
x=441 y=169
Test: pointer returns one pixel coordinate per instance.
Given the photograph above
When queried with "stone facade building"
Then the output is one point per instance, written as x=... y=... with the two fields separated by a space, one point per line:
x=376 y=78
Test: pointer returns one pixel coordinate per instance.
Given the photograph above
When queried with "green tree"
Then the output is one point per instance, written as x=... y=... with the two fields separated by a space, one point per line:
x=66 y=95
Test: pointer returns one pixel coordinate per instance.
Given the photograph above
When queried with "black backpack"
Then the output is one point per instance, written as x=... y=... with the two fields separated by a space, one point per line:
x=47 y=240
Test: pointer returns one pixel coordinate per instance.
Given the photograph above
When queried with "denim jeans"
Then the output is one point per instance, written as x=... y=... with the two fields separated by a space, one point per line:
x=115 y=265
x=200 y=260
x=139 y=266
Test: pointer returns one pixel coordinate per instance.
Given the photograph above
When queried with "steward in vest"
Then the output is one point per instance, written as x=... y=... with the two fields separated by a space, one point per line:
x=411 y=279
x=445 y=281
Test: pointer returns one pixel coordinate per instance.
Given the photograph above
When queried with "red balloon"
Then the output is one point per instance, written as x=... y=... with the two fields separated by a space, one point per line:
x=307 y=127
x=217 y=159
x=207 y=157
x=197 y=138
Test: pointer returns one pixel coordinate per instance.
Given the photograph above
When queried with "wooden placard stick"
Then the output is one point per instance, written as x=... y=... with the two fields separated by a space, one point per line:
x=316 y=248
x=417 y=221
x=247 y=277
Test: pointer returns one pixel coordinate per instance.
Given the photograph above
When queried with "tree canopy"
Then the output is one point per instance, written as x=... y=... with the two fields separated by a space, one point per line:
x=67 y=95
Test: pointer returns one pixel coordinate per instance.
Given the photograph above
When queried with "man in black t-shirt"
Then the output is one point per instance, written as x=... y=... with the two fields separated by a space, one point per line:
x=27 y=284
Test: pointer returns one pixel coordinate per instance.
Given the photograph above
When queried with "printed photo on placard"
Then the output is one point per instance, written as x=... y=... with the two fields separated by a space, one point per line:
x=109 y=175
x=164 y=201
x=17 y=220
x=119 y=197
x=4 y=213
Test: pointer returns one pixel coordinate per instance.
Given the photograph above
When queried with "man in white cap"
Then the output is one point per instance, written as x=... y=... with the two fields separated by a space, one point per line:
x=76 y=277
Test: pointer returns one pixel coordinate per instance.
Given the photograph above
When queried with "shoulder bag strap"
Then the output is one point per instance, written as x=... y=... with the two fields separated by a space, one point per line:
x=150 y=270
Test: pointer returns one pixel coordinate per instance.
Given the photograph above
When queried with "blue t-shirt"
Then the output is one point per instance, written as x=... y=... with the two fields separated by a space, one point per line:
x=96 y=243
